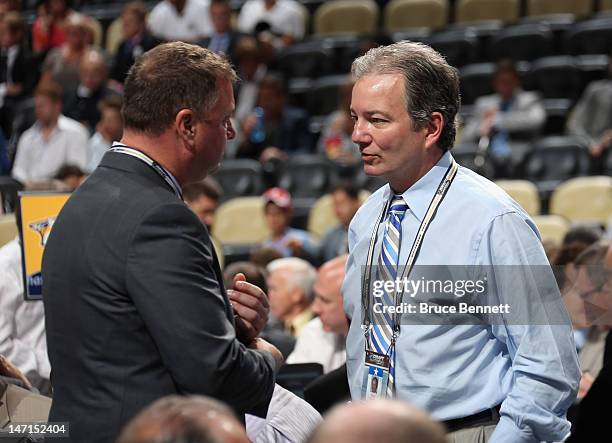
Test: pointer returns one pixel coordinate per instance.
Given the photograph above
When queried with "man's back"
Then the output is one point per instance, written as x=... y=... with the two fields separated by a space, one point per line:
x=130 y=276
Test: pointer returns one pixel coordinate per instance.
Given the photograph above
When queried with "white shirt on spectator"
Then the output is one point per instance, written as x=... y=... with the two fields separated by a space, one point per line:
x=193 y=24
x=290 y=419
x=22 y=323
x=39 y=159
x=284 y=18
x=98 y=146
x=315 y=345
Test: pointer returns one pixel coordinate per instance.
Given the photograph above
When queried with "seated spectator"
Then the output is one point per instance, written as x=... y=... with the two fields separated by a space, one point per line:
x=17 y=69
x=51 y=142
x=255 y=274
x=285 y=239
x=108 y=130
x=595 y=283
x=22 y=323
x=136 y=39
x=290 y=284
x=177 y=419
x=182 y=20
x=274 y=128
x=62 y=63
x=336 y=137
x=48 y=30
x=378 y=421
x=82 y=104
x=203 y=199
x=263 y=255
x=70 y=176
x=507 y=117
x=282 y=18
x=345 y=197
x=592 y=115
x=223 y=38
x=251 y=70
x=323 y=338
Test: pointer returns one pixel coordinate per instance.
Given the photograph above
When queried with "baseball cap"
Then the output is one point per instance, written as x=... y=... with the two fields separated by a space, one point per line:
x=279 y=196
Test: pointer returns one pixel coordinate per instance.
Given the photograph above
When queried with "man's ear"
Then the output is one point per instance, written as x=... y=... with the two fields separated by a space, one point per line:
x=184 y=122
x=434 y=129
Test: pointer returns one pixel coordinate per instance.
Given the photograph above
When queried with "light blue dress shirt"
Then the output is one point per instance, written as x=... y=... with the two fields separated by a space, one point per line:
x=457 y=371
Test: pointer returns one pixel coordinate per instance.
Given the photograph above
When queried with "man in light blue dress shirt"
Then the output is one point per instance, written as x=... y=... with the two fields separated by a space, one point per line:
x=526 y=376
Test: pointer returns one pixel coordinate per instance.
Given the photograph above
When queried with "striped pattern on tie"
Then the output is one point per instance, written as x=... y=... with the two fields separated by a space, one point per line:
x=380 y=336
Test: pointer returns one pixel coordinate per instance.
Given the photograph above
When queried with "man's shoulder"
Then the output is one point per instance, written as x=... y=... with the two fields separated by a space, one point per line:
x=70 y=125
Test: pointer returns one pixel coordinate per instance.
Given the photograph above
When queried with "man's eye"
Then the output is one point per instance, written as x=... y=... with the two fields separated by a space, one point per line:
x=378 y=120
x=354 y=118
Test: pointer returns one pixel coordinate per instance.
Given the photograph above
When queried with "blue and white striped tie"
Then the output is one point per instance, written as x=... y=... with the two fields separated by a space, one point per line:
x=382 y=331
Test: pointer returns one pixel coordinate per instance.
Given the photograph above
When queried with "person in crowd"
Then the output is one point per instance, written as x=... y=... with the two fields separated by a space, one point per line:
x=345 y=197
x=323 y=338
x=184 y=20
x=70 y=176
x=158 y=318
x=378 y=421
x=51 y=142
x=22 y=323
x=282 y=19
x=252 y=70
x=592 y=116
x=223 y=38
x=83 y=103
x=48 y=30
x=108 y=129
x=433 y=212
x=594 y=280
x=175 y=419
x=62 y=64
x=136 y=39
x=504 y=121
x=7 y=6
x=288 y=241
x=256 y=274
x=335 y=141
x=263 y=255
x=203 y=199
x=290 y=285
x=274 y=129
x=17 y=70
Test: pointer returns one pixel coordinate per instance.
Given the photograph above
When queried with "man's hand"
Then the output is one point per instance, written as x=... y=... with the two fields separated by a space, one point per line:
x=7 y=369
x=586 y=381
x=251 y=308
x=262 y=345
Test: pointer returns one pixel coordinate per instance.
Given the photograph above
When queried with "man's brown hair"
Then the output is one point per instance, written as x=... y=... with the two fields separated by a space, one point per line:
x=168 y=78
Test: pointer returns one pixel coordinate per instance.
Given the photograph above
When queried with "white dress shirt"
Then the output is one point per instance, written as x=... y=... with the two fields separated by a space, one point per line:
x=39 y=159
x=193 y=24
x=22 y=323
x=315 y=345
x=284 y=18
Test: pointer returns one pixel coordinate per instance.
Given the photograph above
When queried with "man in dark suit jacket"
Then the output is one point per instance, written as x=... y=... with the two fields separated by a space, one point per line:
x=134 y=298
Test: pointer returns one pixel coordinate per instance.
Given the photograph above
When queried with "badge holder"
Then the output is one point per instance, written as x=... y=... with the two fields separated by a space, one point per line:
x=375 y=376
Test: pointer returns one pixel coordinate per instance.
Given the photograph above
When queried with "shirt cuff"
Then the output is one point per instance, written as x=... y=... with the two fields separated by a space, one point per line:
x=507 y=432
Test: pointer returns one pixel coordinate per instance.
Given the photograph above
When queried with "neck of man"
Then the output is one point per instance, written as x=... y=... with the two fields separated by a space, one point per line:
x=162 y=149
x=404 y=179
x=48 y=126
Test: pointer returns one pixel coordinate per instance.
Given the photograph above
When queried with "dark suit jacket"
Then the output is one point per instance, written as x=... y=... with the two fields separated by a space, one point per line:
x=135 y=306
x=234 y=38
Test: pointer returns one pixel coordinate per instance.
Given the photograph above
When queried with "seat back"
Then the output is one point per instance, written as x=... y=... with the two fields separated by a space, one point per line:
x=114 y=36
x=322 y=215
x=579 y=8
x=552 y=227
x=307 y=176
x=523 y=42
x=241 y=220
x=239 y=177
x=476 y=81
x=555 y=77
x=346 y=16
x=402 y=14
x=506 y=11
x=584 y=199
x=8 y=228
x=459 y=46
x=324 y=96
x=524 y=193
x=590 y=37
x=307 y=59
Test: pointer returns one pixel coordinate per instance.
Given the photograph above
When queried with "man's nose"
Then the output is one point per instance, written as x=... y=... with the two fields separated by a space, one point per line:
x=360 y=134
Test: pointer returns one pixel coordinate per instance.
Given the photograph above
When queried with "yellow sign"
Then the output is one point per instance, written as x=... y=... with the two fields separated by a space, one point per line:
x=38 y=213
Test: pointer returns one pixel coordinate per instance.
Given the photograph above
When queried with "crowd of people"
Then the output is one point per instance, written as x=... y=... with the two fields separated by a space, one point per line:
x=145 y=335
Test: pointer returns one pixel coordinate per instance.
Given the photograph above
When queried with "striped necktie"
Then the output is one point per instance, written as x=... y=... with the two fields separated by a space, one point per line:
x=380 y=337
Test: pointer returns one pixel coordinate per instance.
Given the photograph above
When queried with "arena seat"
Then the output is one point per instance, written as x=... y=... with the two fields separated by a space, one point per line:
x=402 y=14
x=524 y=193
x=8 y=228
x=241 y=221
x=584 y=200
x=527 y=41
x=469 y=11
x=239 y=177
x=552 y=227
x=322 y=216
x=578 y=8
x=346 y=16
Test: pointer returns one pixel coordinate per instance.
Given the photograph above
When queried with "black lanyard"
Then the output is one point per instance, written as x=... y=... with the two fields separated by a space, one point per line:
x=445 y=183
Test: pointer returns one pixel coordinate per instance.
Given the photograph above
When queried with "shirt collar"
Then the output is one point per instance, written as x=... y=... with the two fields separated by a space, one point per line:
x=419 y=195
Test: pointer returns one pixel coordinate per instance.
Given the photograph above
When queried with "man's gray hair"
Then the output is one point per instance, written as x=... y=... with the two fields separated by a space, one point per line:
x=300 y=274
x=431 y=84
